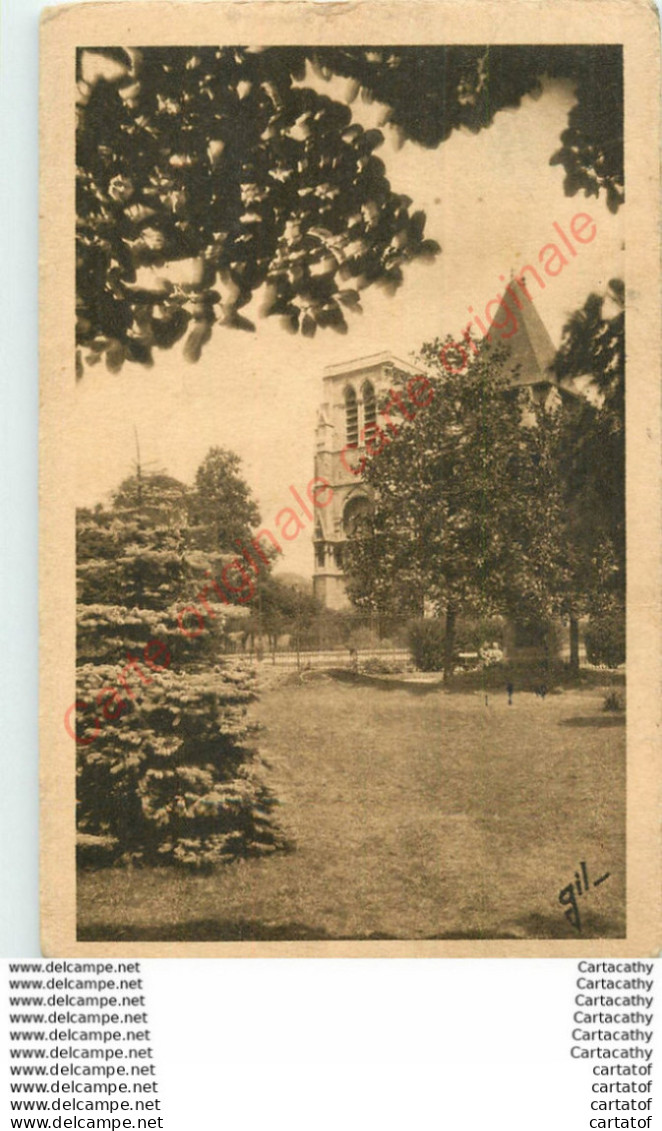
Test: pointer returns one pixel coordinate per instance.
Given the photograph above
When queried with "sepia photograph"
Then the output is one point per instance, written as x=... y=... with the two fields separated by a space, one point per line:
x=344 y=511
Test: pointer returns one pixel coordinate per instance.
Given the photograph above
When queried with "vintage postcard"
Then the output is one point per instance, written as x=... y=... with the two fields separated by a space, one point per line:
x=350 y=486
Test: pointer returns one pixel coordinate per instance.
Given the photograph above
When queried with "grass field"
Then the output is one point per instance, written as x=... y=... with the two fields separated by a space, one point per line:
x=415 y=814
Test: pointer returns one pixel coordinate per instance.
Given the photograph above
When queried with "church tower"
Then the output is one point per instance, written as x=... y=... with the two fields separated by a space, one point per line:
x=350 y=396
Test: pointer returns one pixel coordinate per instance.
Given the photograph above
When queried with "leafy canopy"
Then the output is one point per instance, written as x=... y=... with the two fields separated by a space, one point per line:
x=205 y=175
x=466 y=509
x=592 y=446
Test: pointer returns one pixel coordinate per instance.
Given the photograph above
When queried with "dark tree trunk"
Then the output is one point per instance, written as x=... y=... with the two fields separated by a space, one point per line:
x=574 y=644
x=449 y=642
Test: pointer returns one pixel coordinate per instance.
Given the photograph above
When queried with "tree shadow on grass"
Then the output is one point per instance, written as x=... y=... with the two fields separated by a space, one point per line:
x=383 y=683
x=207 y=930
x=557 y=927
x=250 y=930
x=594 y=721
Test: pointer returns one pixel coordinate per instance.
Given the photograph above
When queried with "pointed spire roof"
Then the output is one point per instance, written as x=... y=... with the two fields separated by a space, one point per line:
x=531 y=350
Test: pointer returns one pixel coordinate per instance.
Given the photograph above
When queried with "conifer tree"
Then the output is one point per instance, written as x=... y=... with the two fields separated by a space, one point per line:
x=167 y=763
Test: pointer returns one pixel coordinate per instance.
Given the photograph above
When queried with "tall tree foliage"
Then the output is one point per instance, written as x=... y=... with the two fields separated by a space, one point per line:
x=593 y=346
x=222 y=162
x=489 y=502
x=431 y=91
x=466 y=509
x=592 y=458
x=222 y=510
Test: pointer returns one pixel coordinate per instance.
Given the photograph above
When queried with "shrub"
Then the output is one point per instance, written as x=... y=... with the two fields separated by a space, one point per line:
x=386 y=644
x=362 y=638
x=426 y=642
x=171 y=776
x=605 y=638
x=377 y=666
x=473 y=632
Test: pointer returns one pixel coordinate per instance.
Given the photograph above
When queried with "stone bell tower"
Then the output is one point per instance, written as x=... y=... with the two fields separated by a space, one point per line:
x=350 y=398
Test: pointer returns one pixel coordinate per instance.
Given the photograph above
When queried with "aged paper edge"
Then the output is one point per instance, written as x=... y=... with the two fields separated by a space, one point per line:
x=634 y=24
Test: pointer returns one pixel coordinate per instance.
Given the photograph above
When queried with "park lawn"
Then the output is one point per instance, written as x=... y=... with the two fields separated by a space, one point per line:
x=414 y=815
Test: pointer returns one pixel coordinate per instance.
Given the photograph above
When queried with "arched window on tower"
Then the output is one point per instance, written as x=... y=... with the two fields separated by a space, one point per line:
x=351 y=418
x=369 y=408
x=320 y=550
x=357 y=510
